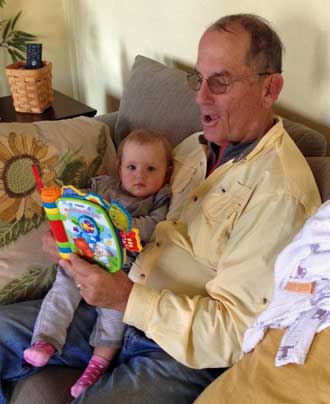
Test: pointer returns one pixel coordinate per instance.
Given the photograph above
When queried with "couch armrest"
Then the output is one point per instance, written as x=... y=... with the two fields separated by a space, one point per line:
x=110 y=119
x=309 y=141
x=320 y=167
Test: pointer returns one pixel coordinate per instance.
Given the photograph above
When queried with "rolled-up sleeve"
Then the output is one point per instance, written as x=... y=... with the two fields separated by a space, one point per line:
x=205 y=330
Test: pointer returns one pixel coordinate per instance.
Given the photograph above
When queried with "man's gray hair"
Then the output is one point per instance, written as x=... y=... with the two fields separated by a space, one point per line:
x=265 y=53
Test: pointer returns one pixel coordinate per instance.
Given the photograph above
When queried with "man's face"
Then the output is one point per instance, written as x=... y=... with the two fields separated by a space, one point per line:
x=237 y=115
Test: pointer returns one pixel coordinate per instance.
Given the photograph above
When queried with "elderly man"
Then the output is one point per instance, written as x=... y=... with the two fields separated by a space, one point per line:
x=192 y=293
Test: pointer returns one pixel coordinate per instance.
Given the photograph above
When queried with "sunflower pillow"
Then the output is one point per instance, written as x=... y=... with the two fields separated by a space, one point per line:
x=68 y=151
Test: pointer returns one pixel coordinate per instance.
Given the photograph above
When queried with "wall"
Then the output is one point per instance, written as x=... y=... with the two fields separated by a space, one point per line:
x=44 y=18
x=109 y=33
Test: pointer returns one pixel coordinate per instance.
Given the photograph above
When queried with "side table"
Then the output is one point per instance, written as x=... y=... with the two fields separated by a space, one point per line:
x=63 y=107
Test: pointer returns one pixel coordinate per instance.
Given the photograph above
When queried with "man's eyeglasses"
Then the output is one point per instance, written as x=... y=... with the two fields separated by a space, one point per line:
x=217 y=84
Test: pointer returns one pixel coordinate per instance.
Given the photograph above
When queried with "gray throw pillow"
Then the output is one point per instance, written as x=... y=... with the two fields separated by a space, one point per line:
x=158 y=98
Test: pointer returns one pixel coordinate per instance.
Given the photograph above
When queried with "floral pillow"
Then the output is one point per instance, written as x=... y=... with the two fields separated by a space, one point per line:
x=66 y=152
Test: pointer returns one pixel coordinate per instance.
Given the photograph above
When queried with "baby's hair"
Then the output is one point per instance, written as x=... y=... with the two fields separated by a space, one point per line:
x=144 y=136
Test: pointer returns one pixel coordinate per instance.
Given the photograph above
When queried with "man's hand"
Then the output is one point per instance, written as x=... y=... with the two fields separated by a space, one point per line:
x=49 y=246
x=97 y=286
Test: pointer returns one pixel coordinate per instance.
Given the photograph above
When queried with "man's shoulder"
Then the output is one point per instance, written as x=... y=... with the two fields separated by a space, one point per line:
x=190 y=146
x=281 y=169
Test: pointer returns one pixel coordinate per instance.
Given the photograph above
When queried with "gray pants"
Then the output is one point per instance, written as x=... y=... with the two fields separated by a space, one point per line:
x=56 y=314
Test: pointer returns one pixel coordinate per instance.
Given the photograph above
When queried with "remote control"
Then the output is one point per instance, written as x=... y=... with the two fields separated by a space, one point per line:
x=34 y=56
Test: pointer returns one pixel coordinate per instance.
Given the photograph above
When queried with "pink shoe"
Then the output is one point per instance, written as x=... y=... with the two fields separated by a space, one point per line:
x=39 y=353
x=96 y=367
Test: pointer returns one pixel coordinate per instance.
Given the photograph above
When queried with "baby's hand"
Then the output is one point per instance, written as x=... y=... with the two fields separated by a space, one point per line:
x=49 y=246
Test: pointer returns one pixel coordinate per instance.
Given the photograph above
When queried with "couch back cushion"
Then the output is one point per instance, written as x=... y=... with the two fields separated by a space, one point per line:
x=70 y=151
x=157 y=97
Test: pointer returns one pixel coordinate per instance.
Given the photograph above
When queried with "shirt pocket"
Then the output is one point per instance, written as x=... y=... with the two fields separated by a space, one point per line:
x=182 y=183
x=215 y=220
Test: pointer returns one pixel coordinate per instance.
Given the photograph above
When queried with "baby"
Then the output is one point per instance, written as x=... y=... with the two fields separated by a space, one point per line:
x=144 y=168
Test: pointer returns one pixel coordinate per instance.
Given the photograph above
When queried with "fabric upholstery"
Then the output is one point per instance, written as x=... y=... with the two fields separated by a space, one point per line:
x=320 y=167
x=309 y=141
x=256 y=380
x=157 y=97
x=68 y=151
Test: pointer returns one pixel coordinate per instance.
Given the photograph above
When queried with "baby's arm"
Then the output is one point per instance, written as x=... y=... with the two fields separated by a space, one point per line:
x=49 y=246
x=147 y=224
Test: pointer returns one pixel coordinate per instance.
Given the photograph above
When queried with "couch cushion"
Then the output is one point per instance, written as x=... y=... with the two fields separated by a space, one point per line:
x=320 y=167
x=255 y=379
x=157 y=97
x=70 y=151
x=309 y=141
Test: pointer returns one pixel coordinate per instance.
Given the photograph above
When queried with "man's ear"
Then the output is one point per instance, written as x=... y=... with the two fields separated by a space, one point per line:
x=272 y=88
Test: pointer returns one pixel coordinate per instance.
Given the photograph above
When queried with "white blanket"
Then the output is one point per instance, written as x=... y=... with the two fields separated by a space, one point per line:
x=301 y=300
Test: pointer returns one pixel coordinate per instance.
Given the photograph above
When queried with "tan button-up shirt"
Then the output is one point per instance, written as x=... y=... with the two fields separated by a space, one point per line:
x=209 y=270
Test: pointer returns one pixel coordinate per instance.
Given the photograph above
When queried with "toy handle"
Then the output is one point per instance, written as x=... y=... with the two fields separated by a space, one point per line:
x=49 y=195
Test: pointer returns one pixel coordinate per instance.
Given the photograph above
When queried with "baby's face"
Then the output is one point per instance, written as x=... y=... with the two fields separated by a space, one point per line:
x=143 y=168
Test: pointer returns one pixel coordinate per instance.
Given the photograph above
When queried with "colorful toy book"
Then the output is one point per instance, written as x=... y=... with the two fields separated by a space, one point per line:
x=88 y=225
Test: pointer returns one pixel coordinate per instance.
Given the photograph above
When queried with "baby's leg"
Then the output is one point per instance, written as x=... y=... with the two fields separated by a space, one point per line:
x=96 y=367
x=106 y=338
x=54 y=318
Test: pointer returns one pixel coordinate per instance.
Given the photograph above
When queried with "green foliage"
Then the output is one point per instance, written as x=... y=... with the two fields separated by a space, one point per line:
x=32 y=285
x=15 y=41
x=11 y=231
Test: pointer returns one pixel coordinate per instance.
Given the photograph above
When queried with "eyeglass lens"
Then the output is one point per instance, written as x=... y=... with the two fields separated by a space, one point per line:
x=216 y=84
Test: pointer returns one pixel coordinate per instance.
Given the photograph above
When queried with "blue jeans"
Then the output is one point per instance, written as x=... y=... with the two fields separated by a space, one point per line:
x=142 y=373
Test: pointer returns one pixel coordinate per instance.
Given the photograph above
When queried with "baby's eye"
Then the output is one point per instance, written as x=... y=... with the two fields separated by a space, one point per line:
x=131 y=167
x=151 y=168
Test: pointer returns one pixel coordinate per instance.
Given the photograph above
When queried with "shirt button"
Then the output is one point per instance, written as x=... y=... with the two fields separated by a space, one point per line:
x=195 y=198
x=265 y=300
x=142 y=276
x=158 y=244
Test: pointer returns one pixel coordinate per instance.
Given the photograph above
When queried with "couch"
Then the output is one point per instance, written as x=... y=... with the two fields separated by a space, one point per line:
x=157 y=97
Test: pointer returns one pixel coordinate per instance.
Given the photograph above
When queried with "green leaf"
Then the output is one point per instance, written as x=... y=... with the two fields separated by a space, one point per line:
x=18 y=55
x=74 y=173
x=15 y=20
x=11 y=232
x=13 y=57
x=5 y=31
x=2 y=3
x=34 y=284
x=20 y=46
x=23 y=34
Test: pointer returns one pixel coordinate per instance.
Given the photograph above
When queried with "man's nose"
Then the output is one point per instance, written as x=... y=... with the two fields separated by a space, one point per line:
x=204 y=94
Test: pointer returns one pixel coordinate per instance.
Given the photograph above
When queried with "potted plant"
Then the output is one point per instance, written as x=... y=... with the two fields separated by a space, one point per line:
x=13 y=40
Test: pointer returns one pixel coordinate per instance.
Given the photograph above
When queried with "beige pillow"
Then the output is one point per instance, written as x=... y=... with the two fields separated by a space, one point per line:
x=69 y=151
x=255 y=379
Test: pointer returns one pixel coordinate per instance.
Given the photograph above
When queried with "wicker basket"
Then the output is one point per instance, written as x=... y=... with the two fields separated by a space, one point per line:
x=31 y=88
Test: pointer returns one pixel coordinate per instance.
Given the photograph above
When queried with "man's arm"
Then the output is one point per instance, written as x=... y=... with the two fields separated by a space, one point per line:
x=206 y=331
x=97 y=286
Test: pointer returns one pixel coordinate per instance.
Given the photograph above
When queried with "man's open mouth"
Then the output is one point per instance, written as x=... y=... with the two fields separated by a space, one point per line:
x=210 y=118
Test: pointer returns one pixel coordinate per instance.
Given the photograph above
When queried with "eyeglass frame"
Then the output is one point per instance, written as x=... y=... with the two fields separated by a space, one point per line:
x=225 y=84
